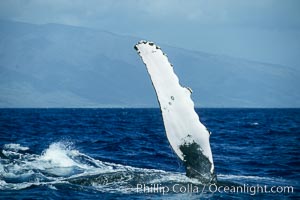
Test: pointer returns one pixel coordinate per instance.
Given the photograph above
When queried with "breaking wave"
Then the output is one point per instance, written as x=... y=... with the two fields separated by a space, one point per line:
x=60 y=165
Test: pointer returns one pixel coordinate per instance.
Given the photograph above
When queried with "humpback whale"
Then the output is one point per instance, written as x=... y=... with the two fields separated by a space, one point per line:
x=187 y=136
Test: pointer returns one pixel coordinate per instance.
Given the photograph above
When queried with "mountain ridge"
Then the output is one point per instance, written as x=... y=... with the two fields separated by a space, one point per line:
x=70 y=66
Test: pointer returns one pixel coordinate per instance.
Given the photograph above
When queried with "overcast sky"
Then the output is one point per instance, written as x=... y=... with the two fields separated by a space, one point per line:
x=261 y=30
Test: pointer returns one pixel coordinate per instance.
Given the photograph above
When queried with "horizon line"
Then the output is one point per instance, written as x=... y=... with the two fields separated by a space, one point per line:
x=196 y=107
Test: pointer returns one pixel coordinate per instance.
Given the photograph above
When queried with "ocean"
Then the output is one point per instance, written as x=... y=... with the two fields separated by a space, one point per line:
x=124 y=154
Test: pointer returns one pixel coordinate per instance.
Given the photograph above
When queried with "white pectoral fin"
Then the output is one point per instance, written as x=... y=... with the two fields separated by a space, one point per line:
x=187 y=135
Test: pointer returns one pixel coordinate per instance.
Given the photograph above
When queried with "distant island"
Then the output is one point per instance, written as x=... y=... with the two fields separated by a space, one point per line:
x=56 y=65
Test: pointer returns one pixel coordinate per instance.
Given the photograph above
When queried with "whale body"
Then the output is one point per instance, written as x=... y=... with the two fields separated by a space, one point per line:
x=188 y=137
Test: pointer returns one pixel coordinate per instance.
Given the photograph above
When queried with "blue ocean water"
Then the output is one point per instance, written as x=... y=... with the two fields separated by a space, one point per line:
x=124 y=154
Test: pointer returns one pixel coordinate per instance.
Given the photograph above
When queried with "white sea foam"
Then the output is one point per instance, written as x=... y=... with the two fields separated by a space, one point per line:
x=15 y=147
x=60 y=164
x=57 y=155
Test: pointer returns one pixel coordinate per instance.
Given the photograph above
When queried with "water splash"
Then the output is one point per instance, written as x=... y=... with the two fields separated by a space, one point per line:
x=61 y=164
x=58 y=154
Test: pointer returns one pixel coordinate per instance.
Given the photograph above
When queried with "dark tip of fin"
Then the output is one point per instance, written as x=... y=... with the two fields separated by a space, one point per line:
x=197 y=165
x=142 y=42
x=135 y=47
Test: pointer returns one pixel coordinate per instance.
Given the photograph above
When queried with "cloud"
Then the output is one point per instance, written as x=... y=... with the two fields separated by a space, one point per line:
x=92 y=12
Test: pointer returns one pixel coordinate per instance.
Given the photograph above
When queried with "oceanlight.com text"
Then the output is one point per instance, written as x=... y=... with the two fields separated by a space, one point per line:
x=250 y=189
x=214 y=188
